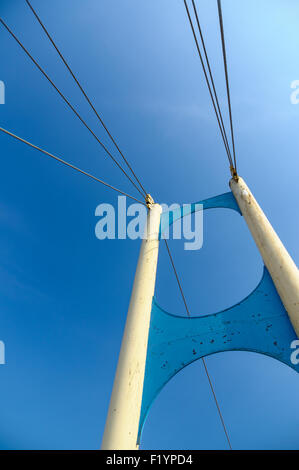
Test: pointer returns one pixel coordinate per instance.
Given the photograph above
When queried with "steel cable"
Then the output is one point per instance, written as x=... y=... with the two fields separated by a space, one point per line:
x=203 y=359
x=69 y=104
x=67 y=164
x=84 y=94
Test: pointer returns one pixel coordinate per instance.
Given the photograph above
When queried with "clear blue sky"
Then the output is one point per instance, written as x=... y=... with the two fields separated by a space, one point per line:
x=63 y=293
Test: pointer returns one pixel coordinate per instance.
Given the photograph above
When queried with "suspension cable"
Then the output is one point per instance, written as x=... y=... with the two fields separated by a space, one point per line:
x=84 y=94
x=208 y=83
x=67 y=164
x=227 y=81
x=177 y=278
x=203 y=359
x=69 y=104
x=210 y=73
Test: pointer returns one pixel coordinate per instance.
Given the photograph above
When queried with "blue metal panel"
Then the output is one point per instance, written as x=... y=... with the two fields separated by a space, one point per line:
x=225 y=200
x=259 y=323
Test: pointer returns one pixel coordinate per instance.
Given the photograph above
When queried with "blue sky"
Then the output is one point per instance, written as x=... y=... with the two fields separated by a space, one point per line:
x=63 y=293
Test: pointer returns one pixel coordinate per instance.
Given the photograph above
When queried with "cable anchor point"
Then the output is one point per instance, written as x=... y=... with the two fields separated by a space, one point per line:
x=149 y=201
x=234 y=173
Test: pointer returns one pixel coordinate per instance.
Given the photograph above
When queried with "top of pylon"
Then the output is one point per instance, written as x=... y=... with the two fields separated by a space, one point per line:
x=149 y=200
x=234 y=173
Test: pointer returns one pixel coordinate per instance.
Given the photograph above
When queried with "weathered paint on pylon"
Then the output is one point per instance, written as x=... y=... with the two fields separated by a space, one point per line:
x=122 y=422
x=279 y=263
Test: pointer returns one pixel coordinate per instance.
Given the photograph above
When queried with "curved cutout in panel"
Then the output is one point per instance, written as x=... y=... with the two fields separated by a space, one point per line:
x=259 y=323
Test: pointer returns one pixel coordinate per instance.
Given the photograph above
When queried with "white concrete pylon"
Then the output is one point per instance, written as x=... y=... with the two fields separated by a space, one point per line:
x=279 y=263
x=122 y=421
